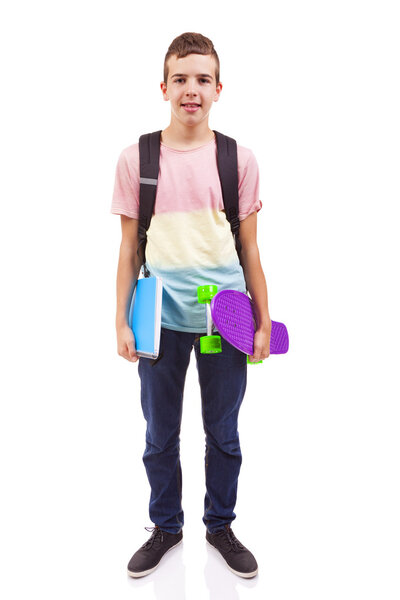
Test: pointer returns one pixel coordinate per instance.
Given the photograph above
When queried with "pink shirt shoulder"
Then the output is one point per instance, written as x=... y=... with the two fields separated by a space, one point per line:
x=125 y=199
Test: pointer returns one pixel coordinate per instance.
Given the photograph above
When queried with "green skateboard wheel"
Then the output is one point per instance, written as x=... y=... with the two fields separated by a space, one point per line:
x=205 y=293
x=210 y=344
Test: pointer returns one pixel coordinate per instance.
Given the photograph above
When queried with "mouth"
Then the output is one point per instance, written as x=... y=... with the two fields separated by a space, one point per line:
x=191 y=106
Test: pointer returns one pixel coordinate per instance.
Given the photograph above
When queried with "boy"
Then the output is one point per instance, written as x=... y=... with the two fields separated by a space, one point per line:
x=189 y=243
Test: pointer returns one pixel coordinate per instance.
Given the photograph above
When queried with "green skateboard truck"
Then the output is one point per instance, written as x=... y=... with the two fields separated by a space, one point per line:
x=209 y=344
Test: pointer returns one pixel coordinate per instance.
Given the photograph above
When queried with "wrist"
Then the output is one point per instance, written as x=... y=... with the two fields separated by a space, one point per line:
x=264 y=325
x=121 y=322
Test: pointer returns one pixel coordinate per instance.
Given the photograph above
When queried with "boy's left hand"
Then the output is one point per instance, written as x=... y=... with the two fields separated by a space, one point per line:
x=262 y=339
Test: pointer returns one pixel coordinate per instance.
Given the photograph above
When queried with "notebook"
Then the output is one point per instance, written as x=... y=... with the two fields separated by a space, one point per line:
x=145 y=316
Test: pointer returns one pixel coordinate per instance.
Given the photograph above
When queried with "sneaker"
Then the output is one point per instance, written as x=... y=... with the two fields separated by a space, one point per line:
x=239 y=560
x=148 y=557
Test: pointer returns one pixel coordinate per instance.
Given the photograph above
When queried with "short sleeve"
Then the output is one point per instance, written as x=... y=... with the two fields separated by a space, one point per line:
x=125 y=200
x=248 y=174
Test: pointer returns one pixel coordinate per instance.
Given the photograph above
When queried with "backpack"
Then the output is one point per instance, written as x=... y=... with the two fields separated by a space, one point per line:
x=149 y=153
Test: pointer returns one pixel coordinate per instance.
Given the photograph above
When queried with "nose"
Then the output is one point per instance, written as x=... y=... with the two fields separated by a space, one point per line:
x=191 y=88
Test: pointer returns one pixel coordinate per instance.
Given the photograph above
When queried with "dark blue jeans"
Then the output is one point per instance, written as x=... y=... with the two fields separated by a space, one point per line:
x=222 y=379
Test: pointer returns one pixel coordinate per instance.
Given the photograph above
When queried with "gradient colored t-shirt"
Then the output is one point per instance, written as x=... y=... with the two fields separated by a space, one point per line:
x=189 y=241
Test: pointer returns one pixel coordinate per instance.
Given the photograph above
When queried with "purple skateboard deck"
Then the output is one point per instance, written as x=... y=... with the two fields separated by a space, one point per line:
x=233 y=316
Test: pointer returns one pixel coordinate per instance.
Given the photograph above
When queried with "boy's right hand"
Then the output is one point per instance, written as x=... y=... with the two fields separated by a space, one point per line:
x=126 y=343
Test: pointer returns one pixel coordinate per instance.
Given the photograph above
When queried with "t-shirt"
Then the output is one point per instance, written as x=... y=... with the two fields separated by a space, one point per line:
x=189 y=241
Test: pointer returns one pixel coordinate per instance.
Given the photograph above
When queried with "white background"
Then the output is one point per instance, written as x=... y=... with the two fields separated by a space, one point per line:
x=313 y=89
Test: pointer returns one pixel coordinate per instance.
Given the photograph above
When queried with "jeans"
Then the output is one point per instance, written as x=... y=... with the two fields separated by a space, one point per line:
x=222 y=379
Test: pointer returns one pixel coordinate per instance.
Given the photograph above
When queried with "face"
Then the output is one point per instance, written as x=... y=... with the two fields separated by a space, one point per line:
x=191 y=87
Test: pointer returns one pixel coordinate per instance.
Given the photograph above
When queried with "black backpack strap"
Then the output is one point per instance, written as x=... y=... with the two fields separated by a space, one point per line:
x=149 y=154
x=228 y=174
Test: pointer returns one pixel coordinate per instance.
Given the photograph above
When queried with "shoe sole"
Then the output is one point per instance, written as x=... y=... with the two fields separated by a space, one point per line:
x=143 y=573
x=245 y=575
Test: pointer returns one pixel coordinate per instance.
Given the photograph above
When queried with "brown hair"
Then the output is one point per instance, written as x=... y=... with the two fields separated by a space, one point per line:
x=191 y=43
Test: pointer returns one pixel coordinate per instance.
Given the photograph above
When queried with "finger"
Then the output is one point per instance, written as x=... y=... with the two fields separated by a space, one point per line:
x=125 y=353
x=265 y=353
x=255 y=357
x=132 y=352
x=254 y=360
x=257 y=353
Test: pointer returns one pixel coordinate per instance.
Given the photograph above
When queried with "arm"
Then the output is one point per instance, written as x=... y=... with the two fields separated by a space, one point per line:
x=128 y=270
x=256 y=285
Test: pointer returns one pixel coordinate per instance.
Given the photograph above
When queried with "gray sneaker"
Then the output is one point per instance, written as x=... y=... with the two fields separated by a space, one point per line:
x=239 y=560
x=148 y=557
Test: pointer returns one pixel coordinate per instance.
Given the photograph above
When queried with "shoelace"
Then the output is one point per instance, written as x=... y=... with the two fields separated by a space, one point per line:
x=156 y=533
x=228 y=534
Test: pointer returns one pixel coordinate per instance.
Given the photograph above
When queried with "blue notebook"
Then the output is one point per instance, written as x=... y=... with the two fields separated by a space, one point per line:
x=145 y=316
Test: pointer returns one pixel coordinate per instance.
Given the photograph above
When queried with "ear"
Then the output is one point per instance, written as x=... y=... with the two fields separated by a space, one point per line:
x=217 y=92
x=163 y=87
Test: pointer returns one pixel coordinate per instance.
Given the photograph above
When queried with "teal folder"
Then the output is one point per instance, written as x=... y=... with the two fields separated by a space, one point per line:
x=145 y=316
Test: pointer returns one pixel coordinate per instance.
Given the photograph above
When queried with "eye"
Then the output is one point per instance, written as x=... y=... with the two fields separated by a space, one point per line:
x=178 y=80
x=205 y=80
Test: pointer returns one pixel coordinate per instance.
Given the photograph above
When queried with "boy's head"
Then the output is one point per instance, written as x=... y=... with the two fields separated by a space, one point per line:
x=191 y=79
x=191 y=43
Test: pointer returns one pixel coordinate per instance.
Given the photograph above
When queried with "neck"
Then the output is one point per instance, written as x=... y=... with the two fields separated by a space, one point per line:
x=181 y=137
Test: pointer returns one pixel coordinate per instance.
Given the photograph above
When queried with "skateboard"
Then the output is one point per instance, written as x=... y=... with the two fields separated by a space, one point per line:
x=233 y=315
